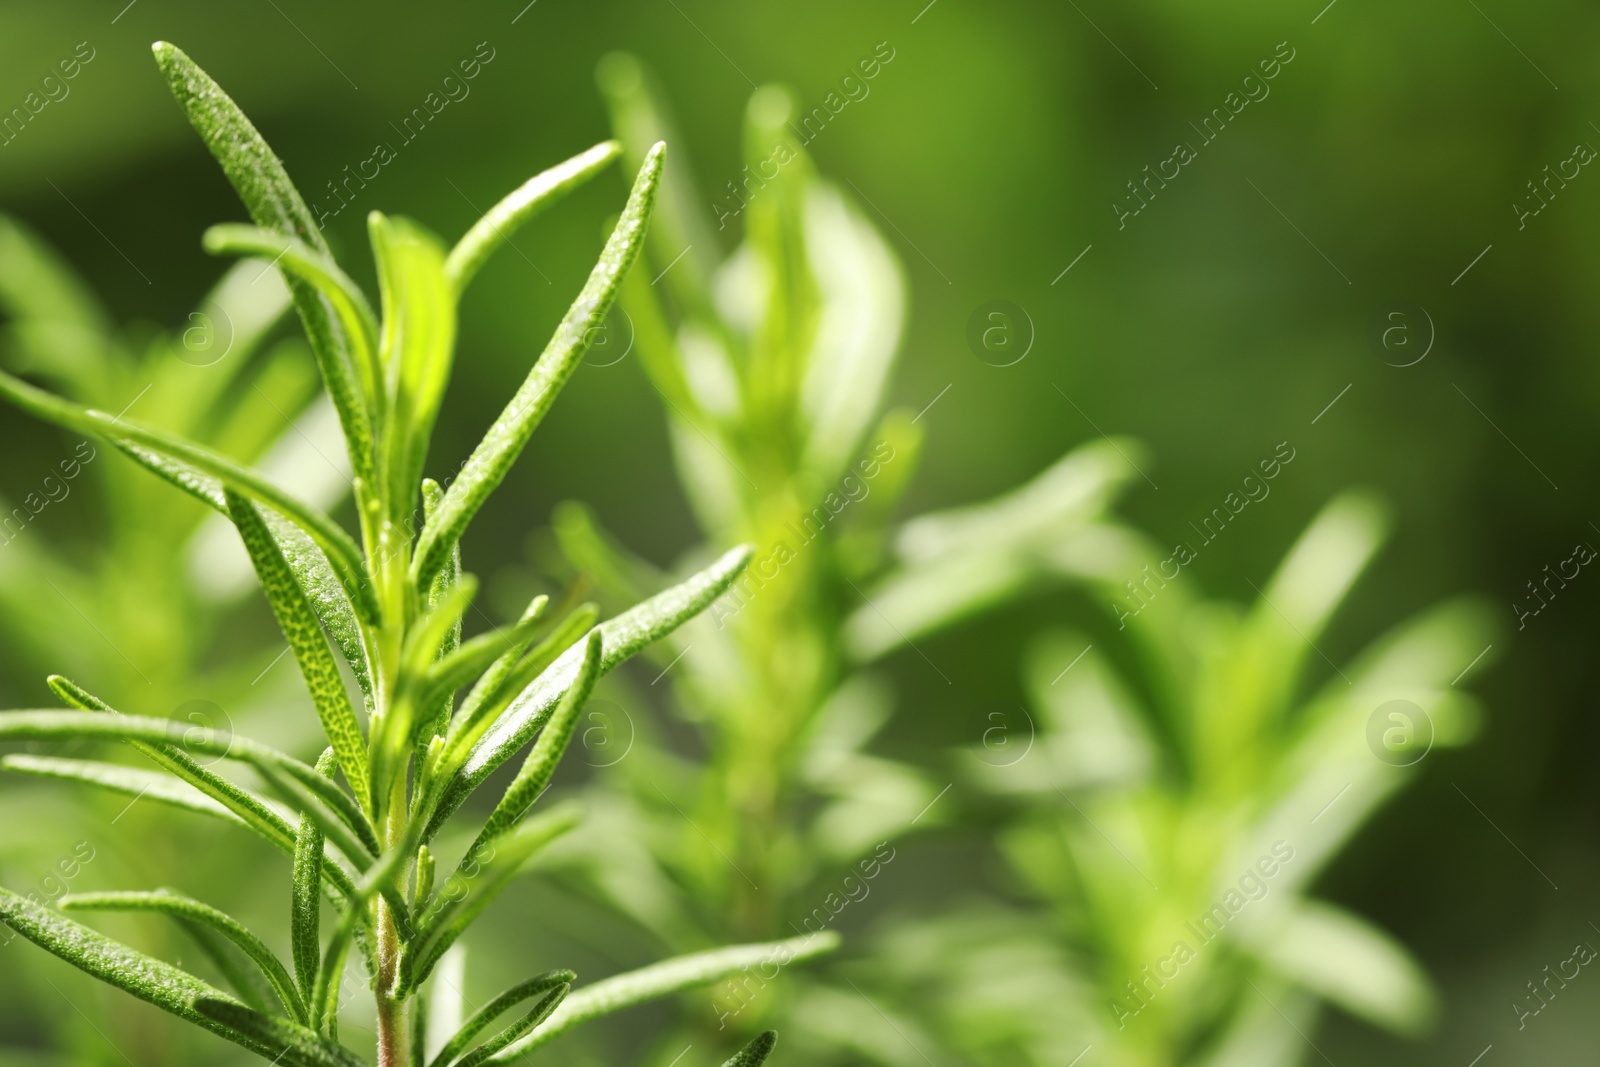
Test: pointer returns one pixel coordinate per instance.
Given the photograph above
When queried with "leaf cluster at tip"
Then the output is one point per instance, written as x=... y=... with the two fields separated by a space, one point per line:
x=385 y=607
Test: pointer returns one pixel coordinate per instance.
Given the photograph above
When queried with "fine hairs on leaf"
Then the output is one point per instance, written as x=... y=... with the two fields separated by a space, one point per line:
x=386 y=605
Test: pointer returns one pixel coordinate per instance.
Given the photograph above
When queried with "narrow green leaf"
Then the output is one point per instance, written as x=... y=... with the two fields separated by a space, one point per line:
x=509 y=215
x=478 y=655
x=624 y=636
x=300 y=784
x=756 y=1052
x=305 y=903
x=541 y=763
x=506 y=438
x=341 y=550
x=359 y=848
x=484 y=705
x=129 y=781
x=240 y=971
x=436 y=700
x=533 y=987
x=252 y=168
x=167 y=902
x=300 y=625
x=316 y=269
x=249 y=809
x=306 y=639
x=417 y=343
x=663 y=979
x=274 y=203
x=295 y=1044
x=541 y=1011
x=152 y=981
x=481 y=877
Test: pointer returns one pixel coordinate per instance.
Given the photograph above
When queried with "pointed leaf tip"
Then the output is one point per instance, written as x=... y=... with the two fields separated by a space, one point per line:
x=756 y=1052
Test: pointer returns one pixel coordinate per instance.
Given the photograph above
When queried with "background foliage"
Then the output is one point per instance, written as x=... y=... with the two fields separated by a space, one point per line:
x=988 y=151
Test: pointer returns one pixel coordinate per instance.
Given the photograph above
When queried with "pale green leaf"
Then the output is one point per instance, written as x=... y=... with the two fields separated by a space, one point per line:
x=183 y=461
x=663 y=979
x=417 y=344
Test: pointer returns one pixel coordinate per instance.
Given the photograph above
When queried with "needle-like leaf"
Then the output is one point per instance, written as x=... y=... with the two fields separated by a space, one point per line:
x=663 y=979
x=418 y=339
x=481 y=877
x=272 y=200
x=129 y=781
x=178 y=906
x=190 y=460
x=299 y=624
x=532 y=197
x=545 y=983
x=505 y=439
x=149 y=979
x=296 y=1044
x=305 y=900
x=624 y=636
x=541 y=763
x=756 y=1052
x=316 y=269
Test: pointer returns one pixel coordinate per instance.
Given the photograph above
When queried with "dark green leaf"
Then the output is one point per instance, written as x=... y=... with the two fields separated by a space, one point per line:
x=151 y=980
x=275 y=204
x=533 y=987
x=305 y=905
x=167 y=902
x=295 y=1044
x=756 y=1052
x=300 y=625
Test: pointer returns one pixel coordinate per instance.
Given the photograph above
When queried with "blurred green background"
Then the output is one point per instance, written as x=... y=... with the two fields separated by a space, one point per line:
x=1224 y=318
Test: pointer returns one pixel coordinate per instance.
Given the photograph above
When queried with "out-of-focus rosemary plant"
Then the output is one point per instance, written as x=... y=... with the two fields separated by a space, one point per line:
x=375 y=623
x=135 y=606
x=1175 y=788
x=772 y=362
